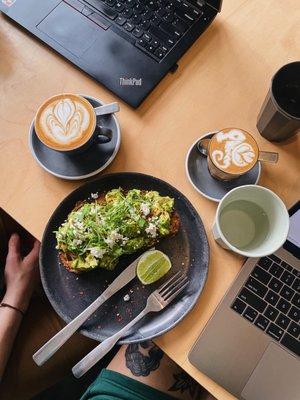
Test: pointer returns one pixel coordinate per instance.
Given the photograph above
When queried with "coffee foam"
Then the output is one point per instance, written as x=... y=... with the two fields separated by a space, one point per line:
x=65 y=122
x=233 y=151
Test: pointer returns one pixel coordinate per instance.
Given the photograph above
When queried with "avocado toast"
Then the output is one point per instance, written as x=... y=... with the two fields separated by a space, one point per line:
x=99 y=231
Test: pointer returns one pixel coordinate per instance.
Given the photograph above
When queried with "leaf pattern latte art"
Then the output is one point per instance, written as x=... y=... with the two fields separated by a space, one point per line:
x=65 y=119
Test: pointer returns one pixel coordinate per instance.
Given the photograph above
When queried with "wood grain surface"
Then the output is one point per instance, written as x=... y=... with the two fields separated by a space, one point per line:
x=221 y=81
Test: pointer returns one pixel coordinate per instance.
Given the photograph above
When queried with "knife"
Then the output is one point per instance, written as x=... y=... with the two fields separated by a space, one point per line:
x=55 y=343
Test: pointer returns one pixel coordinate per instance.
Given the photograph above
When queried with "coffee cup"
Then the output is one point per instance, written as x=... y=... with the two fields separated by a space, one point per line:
x=251 y=221
x=68 y=123
x=232 y=152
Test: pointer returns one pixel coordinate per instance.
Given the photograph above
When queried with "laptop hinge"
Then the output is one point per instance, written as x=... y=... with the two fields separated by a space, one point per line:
x=174 y=68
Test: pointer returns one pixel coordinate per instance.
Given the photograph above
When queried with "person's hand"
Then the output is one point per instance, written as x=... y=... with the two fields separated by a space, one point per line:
x=21 y=274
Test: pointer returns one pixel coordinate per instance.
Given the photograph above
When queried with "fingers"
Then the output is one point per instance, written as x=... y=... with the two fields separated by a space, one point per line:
x=33 y=256
x=14 y=247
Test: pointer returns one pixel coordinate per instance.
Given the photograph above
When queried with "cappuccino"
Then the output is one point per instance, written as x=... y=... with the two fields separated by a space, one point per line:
x=233 y=151
x=65 y=122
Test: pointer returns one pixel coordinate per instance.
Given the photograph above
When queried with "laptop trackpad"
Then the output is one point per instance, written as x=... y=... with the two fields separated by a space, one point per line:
x=276 y=377
x=70 y=29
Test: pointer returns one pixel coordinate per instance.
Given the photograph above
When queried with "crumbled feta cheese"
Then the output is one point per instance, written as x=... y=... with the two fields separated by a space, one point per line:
x=94 y=195
x=97 y=253
x=109 y=241
x=145 y=209
x=116 y=235
x=78 y=224
x=133 y=214
x=77 y=242
x=113 y=238
x=126 y=297
x=151 y=230
x=125 y=240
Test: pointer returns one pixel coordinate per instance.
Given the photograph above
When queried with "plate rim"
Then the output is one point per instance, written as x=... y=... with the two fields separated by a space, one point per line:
x=191 y=305
x=78 y=177
x=214 y=199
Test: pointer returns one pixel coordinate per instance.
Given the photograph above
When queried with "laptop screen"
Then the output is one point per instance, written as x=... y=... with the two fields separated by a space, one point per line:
x=293 y=240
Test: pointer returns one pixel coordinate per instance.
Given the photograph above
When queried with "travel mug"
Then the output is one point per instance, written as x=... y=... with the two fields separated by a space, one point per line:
x=279 y=117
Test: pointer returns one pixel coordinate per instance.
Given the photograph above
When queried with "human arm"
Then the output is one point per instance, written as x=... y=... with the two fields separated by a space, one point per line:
x=21 y=276
x=146 y=363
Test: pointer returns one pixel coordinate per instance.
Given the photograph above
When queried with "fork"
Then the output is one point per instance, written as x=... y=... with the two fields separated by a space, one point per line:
x=156 y=302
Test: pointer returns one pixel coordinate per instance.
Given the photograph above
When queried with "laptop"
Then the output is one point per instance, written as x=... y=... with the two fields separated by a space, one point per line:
x=251 y=345
x=127 y=45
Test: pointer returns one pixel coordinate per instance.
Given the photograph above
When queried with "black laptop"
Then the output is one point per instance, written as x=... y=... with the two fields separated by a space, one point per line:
x=127 y=45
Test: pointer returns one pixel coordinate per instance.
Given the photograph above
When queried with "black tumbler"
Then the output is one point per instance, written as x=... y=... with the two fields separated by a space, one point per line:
x=279 y=117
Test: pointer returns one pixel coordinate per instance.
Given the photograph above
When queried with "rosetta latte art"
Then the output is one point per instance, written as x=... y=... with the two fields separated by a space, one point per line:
x=236 y=151
x=65 y=121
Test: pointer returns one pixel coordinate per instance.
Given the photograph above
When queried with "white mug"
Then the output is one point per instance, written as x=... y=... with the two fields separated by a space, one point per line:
x=251 y=221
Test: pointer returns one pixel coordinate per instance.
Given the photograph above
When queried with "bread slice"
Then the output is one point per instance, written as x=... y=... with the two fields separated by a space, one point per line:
x=66 y=258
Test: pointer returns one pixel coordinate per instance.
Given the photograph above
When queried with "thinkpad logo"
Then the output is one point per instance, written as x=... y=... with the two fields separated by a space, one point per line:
x=130 y=82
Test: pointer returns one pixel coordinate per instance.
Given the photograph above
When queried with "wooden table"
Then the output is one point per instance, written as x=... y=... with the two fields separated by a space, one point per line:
x=221 y=81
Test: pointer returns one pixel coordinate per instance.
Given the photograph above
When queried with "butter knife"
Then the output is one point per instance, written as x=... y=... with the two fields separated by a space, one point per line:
x=55 y=343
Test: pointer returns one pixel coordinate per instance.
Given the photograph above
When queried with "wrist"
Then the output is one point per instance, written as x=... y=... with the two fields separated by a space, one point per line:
x=16 y=309
x=17 y=297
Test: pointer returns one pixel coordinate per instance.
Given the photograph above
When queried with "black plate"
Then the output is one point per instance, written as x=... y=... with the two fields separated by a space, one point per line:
x=70 y=294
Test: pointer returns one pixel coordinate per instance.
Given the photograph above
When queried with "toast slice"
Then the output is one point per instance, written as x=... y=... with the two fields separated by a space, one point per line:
x=67 y=258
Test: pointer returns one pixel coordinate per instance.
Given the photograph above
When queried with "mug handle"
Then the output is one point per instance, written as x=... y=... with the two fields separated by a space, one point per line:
x=268 y=156
x=102 y=135
x=217 y=237
x=202 y=146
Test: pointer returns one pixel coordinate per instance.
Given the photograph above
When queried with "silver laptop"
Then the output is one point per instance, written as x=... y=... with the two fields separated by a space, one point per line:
x=251 y=345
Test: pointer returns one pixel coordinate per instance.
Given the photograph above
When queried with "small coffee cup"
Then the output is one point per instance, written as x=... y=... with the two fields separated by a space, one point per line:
x=68 y=123
x=232 y=152
x=251 y=221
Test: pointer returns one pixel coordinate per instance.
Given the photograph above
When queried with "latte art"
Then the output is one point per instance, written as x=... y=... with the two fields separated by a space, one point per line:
x=65 y=121
x=233 y=151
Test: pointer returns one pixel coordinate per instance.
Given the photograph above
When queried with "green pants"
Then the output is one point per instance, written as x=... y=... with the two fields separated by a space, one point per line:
x=111 y=385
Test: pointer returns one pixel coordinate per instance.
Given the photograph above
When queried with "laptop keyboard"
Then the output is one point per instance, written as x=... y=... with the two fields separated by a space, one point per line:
x=154 y=26
x=270 y=299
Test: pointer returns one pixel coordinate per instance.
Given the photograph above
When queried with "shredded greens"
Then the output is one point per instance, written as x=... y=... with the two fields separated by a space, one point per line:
x=99 y=232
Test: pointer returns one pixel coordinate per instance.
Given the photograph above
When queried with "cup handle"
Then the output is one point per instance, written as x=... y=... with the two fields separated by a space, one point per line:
x=102 y=135
x=217 y=237
x=202 y=146
x=107 y=109
x=268 y=156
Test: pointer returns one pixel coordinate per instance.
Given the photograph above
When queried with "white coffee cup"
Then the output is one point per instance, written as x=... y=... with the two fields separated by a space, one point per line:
x=252 y=221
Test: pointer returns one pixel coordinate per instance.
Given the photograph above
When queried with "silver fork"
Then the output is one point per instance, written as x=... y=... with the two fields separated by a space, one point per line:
x=157 y=301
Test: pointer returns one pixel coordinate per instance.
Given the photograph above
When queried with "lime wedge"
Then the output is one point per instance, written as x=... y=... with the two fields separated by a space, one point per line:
x=152 y=266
